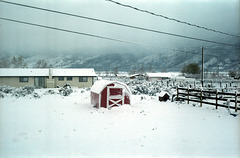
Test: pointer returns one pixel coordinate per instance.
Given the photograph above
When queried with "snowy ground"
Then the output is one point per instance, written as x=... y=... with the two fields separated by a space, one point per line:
x=58 y=126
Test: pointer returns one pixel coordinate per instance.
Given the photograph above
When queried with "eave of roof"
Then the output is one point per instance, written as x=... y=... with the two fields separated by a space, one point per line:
x=11 y=72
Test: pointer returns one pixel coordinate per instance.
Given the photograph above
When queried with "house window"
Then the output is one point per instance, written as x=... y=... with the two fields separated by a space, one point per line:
x=60 y=78
x=69 y=78
x=83 y=79
x=23 y=79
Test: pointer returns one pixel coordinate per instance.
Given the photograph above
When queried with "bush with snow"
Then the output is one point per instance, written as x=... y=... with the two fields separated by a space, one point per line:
x=139 y=87
x=6 y=89
x=66 y=90
x=1 y=95
x=18 y=92
x=23 y=91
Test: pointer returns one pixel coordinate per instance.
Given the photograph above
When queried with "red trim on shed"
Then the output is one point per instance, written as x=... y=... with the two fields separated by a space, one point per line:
x=109 y=94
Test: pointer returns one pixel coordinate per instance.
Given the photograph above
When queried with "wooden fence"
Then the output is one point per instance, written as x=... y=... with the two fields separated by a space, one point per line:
x=211 y=97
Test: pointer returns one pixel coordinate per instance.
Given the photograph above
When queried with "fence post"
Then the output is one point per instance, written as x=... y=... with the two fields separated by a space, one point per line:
x=216 y=99
x=201 y=98
x=235 y=101
x=188 y=96
x=177 y=92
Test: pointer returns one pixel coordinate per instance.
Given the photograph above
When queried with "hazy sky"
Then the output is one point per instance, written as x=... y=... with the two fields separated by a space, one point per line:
x=221 y=15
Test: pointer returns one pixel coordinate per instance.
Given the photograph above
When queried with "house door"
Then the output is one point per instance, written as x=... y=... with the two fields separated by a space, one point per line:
x=39 y=82
x=115 y=97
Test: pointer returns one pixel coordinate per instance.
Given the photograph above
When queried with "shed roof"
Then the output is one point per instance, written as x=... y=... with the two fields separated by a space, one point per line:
x=98 y=86
x=45 y=72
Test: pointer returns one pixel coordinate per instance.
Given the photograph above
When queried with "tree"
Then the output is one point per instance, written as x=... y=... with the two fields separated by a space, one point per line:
x=4 y=63
x=41 y=63
x=115 y=71
x=150 y=68
x=141 y=70
x=232 y=73
x=132 y=70
x=18 y=62
x=191 y=68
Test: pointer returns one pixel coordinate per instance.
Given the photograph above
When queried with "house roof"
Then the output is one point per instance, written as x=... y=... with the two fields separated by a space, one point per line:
x=160 y=74
x=98 y=86
x=10 y=72
x=135 y=75
x=73 y=72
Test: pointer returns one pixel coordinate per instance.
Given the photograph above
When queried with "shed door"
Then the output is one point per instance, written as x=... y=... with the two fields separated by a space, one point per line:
x=115 y=97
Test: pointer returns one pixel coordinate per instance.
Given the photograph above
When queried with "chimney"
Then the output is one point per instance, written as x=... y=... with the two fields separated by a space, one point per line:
x=50 y=73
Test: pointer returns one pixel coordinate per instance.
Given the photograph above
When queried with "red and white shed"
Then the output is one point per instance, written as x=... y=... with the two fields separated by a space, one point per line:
x=107 y=94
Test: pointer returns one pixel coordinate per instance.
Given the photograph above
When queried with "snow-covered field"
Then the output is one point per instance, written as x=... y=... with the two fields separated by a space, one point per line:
x=59 y=126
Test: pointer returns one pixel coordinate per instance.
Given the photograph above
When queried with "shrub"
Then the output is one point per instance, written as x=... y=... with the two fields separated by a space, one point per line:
x=66 y=90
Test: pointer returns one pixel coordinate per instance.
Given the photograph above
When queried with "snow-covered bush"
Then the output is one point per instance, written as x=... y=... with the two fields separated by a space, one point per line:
x=66 y=90
x=36 y=95
x=1 y=95
x=17 y=92
x=6 y=89
x=50 y=91
x=23 y=91
x=144 y=87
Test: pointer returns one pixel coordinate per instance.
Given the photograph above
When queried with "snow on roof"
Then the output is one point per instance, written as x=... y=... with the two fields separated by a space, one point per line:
x=45 y=72
x=160 y=74
x=98 y=86
x=162 y=93
x=23 y=72
x=133 y=75
x=73 y=72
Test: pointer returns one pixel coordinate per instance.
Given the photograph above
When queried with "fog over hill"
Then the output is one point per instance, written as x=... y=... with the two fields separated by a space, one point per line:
x=72 y=50
x=216 y=58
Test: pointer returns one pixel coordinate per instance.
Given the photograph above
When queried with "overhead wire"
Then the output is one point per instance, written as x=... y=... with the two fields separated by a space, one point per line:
x=94 y=36
x=75 y=32
x=173 y=19
x=120 y=24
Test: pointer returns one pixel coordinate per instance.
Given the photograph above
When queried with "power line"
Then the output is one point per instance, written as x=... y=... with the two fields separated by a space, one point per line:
x=95 y=36
x=173 y=19
x=120 y=24
x=75 y=32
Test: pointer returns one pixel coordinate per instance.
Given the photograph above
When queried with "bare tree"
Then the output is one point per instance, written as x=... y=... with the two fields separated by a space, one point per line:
x=115 y=71
x=5 y=63
x=132 y=70
x=18 y=62
x=141 y=70
x=41 y=63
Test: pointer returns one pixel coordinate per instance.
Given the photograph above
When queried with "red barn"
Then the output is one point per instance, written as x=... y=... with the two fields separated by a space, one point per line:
x=109 y=93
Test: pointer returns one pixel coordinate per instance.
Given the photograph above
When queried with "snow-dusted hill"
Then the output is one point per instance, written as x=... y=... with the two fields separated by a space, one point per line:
x=216 y=58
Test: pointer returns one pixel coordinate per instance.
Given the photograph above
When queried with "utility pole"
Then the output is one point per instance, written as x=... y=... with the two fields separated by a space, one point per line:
x=202 y=76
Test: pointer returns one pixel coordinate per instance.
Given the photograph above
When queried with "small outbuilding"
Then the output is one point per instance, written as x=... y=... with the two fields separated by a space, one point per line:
x=108 y=94
x=163 y=96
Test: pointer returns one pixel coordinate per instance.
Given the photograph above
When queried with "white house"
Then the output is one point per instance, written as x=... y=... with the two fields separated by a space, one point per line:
x=47 y=78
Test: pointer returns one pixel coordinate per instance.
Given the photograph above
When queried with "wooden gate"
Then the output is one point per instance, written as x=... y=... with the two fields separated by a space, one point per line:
x=114 y=97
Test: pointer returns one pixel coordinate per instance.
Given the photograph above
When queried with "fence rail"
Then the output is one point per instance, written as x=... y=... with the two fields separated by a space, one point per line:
x=206 y=96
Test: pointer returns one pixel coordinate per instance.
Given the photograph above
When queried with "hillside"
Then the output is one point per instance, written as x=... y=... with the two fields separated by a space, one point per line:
x=218 y=57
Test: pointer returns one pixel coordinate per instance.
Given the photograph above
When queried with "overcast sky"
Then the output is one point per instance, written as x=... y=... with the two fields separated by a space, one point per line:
x=222 y=15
